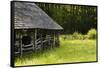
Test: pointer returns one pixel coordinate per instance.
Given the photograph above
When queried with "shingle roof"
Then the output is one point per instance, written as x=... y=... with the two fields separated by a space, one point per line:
x=29 y=15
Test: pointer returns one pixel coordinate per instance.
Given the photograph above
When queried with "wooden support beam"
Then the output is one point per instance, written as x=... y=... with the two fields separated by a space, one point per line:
x=58 y=43
x=21 y=46
x=41 y=42
x=35 y=37
x=20 y=43
x=54 y=40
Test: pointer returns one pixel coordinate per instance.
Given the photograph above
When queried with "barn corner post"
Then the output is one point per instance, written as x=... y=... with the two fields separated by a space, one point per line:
x=41 y=42
x=20 y=43
x=58 y=40
x=49 y=40
x=54 y=41
x=35 y=39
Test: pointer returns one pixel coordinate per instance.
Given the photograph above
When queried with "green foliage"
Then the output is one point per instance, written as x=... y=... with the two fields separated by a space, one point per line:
x=74 y=36
x=68 y=37
x=77 y=35
x=92 y=34
x=69 y=51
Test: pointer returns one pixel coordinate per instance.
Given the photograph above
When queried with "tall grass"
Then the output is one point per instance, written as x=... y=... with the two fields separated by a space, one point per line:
x=69 y=51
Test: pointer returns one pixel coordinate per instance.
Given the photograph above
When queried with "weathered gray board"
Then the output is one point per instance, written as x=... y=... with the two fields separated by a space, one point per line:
x=44 y=41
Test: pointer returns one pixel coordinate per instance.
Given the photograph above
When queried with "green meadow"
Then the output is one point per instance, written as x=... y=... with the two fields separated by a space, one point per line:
x=69 y=51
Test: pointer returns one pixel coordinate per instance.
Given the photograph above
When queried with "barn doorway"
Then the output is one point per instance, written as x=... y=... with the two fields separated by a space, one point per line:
x=26 y=40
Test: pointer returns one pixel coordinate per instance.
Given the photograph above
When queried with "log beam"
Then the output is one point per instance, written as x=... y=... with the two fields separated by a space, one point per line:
x=54 y=39
x=35 y=38
x=20 y=43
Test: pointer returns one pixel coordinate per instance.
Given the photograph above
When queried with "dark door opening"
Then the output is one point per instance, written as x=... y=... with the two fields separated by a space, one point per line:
x=26 y=40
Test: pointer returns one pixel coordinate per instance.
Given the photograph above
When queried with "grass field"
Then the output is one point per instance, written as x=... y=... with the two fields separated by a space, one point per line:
x=69 y=51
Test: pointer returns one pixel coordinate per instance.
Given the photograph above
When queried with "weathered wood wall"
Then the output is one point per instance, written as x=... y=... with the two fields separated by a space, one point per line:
x=40 y=40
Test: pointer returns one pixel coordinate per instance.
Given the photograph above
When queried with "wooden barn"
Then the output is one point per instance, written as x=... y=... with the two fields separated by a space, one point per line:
x=34 y=30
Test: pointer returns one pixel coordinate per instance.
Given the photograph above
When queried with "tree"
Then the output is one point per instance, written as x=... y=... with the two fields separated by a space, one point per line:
x=73 y=18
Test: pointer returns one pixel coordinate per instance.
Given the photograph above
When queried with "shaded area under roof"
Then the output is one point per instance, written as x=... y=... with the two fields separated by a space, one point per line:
x=29 y=15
